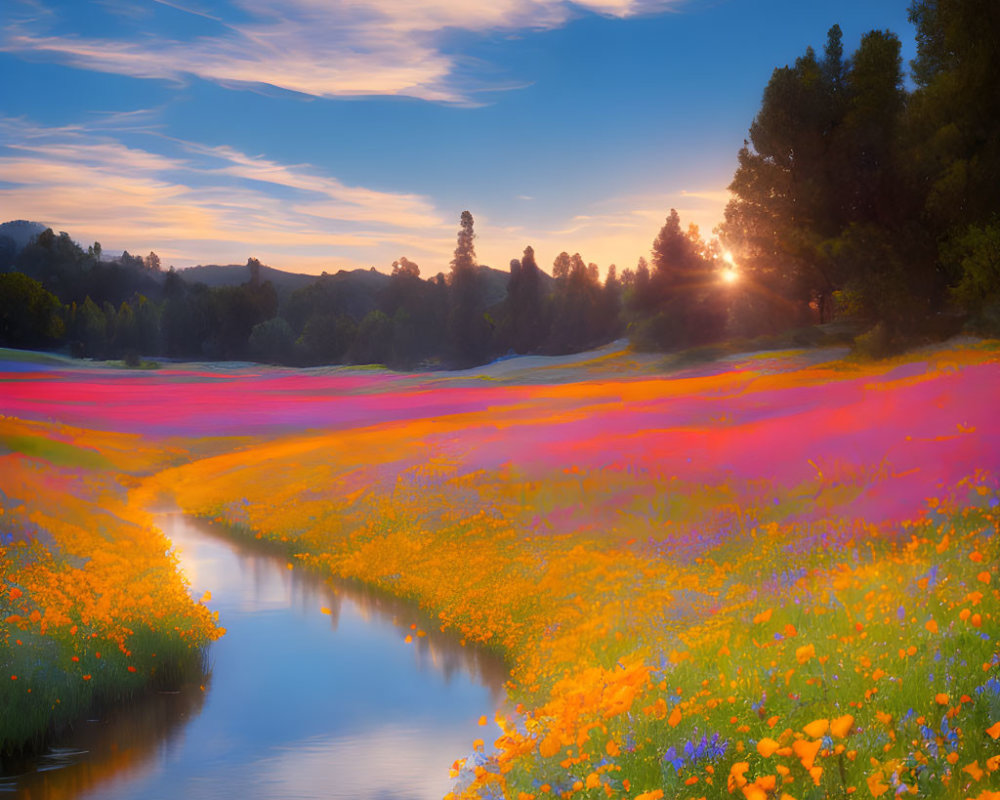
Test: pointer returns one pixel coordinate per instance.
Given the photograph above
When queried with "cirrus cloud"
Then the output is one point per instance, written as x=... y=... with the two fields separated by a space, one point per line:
x=322 y=48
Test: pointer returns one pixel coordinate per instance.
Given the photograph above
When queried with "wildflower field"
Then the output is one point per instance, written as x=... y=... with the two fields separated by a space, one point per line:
x=769 y=577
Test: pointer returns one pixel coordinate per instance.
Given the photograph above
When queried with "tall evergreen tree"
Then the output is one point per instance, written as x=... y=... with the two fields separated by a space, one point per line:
x=525 y=310
x=818 y=182
x=681 y=306
x=469 y=331
x=576 y=303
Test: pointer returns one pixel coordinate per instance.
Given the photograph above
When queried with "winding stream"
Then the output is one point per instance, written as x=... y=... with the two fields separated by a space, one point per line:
x=314 y=693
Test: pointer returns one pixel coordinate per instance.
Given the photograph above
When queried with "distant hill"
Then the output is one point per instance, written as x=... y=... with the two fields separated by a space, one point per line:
x=353 y=292
x=496 y=283
x=14 y=237
x=357 y=287
x=20 y=232
x=235 y=274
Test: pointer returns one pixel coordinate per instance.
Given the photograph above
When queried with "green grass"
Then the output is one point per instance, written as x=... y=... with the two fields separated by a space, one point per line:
x=55 y=452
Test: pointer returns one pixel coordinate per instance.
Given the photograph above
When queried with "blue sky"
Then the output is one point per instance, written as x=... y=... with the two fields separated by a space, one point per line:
x=327 y=134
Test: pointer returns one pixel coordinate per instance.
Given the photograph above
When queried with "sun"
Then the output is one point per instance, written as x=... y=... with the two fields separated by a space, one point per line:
x=729 y=274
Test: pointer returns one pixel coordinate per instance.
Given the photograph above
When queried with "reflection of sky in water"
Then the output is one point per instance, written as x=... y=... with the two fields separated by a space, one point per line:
x=303 y=704
x=385 y=762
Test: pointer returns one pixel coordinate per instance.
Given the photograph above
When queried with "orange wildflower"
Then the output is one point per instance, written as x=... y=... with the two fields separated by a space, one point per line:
x=549 y=746
x=841 y=726
x=876 y=785
x=804 y=653
x=806 y=751
x=736 y=773
x=766 y=747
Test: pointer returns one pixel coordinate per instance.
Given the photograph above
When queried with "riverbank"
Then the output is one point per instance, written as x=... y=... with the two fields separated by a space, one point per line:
x=93 y=612
x=314 y=692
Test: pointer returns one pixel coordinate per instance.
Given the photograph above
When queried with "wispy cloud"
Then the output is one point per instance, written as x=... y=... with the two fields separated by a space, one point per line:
x=188 y=9
x=325 y=48
x=198 y=203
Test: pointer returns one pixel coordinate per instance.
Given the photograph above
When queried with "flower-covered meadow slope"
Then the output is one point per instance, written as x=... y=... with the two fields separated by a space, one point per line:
x=770 y=578
x=92 y=607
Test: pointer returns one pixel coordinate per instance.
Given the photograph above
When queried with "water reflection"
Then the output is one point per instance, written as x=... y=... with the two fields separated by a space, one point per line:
x=124 y=741
x=302 y=703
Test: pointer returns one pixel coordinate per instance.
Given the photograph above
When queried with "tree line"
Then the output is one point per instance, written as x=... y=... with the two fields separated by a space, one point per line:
x=55 y=294
x=854 y=198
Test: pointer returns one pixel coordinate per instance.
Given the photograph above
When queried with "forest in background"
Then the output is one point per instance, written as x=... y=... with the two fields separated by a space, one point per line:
x=855 y=198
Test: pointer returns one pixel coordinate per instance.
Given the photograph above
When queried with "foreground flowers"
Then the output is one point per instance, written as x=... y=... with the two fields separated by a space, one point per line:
x=761 y=583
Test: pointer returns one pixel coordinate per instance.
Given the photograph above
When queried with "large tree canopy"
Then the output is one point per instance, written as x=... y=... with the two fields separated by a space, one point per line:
x=823 y=205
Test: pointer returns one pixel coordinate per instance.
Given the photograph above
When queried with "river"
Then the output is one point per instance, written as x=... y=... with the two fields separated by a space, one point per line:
x=314 y=692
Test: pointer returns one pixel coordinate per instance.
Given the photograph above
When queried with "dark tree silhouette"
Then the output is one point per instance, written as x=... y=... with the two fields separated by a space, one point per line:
x=525 y=305
x=469 y=331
